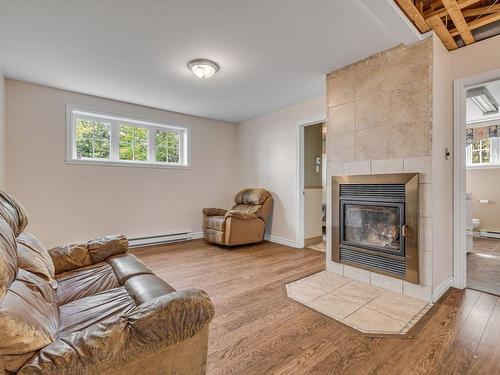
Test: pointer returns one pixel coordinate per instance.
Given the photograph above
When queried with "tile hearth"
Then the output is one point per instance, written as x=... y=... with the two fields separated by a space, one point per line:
x=364 y=307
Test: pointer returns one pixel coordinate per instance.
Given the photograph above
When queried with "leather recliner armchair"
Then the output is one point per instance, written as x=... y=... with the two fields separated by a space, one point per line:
x=244 y=224
x=92 y=309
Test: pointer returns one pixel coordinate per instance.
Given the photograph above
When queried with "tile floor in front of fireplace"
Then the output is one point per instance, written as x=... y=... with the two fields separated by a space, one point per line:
x=364 y=307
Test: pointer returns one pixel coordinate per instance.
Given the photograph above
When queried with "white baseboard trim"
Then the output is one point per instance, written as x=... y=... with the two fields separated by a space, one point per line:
x=280 y=240
x=441 y=289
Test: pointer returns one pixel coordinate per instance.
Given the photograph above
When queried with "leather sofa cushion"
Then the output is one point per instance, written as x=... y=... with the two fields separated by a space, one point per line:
x=251 y=196
x=144 y=288
x=8 y=257
x=82 y=313
x=126 y=266
x=29 y=315
x=13 y=213
x=215 y=222
x=34 y=257
x=84 y=282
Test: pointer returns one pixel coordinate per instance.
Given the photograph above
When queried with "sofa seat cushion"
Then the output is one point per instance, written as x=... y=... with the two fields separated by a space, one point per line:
x=215 y=222
x=82 y=313
x=84 y=282
x=144 y=288
x=126 y=266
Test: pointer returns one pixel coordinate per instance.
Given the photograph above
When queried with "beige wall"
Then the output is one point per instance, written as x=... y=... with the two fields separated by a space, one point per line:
x=476 y=58
x=380 y=121
x=267 y=154
x=3 y=151
x=484 y=184
x=313 y=139
x=69 y=203
x=442 y=168
x=313 y=225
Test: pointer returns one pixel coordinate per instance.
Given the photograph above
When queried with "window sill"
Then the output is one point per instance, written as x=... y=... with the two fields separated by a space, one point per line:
x=129 y=164
x=484 y=166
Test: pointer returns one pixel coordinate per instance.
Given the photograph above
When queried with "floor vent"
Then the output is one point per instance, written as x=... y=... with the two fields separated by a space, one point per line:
x=159 y=239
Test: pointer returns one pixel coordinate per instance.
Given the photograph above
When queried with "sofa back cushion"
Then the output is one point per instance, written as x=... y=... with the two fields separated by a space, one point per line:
x=34 y=257
x=8 y=257
x=29 y=315
x=13 y=213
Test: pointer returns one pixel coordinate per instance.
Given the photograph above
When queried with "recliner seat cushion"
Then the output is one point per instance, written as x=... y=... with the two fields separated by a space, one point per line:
x=34 y=257
x=215 y=222
x=144 y=288
x=126 y=266
x=84 y=282
x=84 y=312
x=29 y=315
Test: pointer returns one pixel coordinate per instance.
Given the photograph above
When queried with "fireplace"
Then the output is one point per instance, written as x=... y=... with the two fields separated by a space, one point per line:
x=375 y=223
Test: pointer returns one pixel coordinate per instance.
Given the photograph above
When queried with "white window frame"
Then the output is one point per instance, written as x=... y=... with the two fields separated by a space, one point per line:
x=494 y=156
x=184 y=131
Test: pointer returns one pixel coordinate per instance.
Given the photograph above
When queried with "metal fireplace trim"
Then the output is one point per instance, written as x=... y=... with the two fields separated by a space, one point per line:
x=410 y=180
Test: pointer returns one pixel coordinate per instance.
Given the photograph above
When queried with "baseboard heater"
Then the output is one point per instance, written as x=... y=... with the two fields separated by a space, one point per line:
x=489 y=234
x=160 y=239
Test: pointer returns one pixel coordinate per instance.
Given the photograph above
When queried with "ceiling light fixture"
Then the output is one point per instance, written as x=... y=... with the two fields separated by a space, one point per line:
x=483 y=99
x=202 y=68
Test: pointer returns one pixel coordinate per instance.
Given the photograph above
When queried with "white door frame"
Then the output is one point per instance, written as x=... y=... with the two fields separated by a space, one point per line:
x=300 y=176
x=459 y=172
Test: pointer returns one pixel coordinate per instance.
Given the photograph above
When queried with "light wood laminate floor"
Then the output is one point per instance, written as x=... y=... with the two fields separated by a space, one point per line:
x=257 y=329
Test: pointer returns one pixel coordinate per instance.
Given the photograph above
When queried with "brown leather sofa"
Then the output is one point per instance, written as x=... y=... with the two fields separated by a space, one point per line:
x=92 y=309
x=243 y=224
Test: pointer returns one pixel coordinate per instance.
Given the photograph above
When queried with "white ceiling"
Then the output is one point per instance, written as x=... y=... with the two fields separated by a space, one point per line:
x=272 y=53
x=474 y=114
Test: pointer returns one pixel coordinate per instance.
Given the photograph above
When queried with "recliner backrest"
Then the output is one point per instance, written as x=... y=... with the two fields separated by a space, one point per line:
x=253 y=201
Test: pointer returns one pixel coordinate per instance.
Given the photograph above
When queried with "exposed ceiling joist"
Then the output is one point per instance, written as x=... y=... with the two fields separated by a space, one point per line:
x=442 y=32
x=409 y=8
x=453 y=20
x=459 y=21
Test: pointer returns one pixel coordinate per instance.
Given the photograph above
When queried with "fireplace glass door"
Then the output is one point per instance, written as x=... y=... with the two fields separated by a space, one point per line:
x=375 y=226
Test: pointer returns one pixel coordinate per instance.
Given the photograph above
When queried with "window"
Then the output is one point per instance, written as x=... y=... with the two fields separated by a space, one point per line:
x=100 y=138
x=483 y=153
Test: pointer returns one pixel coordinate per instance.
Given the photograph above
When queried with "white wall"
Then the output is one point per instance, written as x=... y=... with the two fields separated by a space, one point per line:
x=442 y=168
x=267 y=152
x=3 y=151
x=68 y=203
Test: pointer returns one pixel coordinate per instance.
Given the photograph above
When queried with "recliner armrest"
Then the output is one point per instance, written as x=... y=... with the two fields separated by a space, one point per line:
x=69 y=257
x=113 y=343
x=240 y=215
x=214 y=211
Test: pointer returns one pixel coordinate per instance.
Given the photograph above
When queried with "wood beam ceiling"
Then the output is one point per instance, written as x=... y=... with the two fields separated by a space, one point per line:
x=451 y=19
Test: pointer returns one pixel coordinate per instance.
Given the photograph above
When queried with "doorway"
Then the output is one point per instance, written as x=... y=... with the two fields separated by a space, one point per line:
x=313 y=185
x=477 y=177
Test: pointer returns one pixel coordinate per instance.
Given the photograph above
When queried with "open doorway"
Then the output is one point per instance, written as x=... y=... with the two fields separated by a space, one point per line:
x=314 y=186
x=482 y=138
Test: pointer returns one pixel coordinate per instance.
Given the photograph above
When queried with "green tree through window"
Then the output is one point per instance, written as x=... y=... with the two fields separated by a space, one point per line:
x=167 y=146
x=92 y=139
x=133 y=143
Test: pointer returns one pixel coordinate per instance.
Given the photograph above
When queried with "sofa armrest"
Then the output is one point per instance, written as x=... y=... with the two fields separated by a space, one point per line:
x=214 y=211
x=69 y=257
x=241 y=215
x=121 y=340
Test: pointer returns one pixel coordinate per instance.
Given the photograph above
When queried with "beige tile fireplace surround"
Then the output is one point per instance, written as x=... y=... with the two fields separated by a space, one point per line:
x=380 y=121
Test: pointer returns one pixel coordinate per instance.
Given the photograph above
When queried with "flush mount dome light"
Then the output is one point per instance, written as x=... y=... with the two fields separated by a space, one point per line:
x=203 y=68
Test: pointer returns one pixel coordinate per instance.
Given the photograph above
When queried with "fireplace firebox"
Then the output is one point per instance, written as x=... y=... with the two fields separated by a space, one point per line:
x=375 y=223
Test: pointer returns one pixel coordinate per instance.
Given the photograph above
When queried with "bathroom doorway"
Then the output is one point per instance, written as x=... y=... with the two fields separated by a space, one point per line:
x=313 y=176
x=482 y=160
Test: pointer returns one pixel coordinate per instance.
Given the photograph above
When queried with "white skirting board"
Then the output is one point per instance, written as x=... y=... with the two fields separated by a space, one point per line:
x=280 y=240
x=441 y=289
